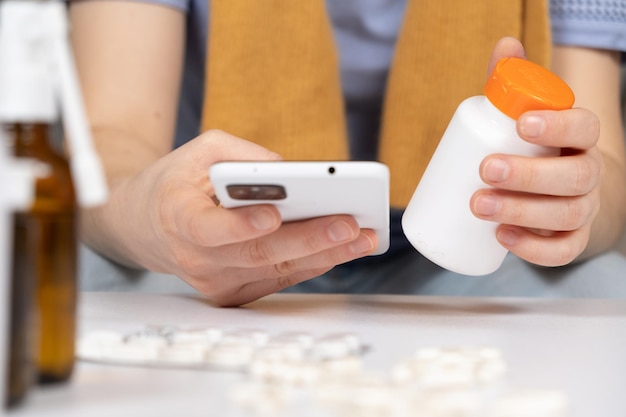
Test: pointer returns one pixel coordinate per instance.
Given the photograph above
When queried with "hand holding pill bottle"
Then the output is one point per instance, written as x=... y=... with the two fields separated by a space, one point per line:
x=438 y=220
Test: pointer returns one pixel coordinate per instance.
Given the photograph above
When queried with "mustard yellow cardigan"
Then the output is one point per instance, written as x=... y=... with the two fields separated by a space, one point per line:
x=273 y=77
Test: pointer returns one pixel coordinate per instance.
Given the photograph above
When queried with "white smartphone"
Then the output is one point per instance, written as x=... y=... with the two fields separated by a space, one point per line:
x=306 y=189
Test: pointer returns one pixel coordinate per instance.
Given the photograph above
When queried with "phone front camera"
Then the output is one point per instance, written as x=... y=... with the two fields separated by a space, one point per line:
x=331 y=170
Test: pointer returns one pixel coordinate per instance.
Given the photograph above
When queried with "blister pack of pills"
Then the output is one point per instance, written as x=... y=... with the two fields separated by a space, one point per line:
x=303 y=374
x=218 y=348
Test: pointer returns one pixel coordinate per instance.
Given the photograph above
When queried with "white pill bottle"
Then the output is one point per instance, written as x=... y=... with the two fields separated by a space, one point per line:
x=438 y=221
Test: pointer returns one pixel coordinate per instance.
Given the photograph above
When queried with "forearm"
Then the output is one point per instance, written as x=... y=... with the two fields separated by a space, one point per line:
x=131 y=101
x=594 y=75
x=106 y=229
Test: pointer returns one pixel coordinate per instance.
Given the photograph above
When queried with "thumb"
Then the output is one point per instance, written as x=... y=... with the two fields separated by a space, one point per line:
x=216 y=145
x=505 y=47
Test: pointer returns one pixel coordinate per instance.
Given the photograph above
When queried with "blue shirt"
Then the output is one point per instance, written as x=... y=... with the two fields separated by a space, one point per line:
x=589 y=23
x=365 y=33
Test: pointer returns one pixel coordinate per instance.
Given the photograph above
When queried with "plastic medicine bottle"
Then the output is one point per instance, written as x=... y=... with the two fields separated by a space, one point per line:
x=438 y=221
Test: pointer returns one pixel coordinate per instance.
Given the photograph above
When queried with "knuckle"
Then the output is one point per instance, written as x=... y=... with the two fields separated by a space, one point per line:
x=568 y=253
x=566 y=247
x=285 y=268
x=515 y=213
x=587 y=172
x=257 y=253
x=571 y=215
x=336 y=257
x=311 y=242
x=213 y=134
x=287 y=281
x=577 y=213
x=594 y=125
x=529 y=177
x=298 y=277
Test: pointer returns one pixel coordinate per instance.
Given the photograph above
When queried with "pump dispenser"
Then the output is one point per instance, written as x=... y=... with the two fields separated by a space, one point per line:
x=36 y=76
x=438 y=221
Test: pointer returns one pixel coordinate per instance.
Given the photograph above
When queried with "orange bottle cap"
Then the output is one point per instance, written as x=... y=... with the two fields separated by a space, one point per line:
x=517 y=85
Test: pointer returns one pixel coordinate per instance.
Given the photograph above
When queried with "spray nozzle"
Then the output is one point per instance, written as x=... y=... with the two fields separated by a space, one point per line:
x=36 y=74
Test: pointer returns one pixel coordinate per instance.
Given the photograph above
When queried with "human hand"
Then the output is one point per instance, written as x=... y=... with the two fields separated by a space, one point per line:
x=233 y=256
x=545 y=205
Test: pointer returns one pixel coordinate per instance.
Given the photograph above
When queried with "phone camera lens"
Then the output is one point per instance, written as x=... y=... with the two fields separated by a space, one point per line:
x=331 y=170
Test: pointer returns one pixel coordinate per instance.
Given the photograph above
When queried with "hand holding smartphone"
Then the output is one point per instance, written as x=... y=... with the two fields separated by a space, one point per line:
x=306 y=189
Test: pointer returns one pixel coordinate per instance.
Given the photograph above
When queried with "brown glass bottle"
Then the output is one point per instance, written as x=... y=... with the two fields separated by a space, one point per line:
x=49 y=235
x=23 y=330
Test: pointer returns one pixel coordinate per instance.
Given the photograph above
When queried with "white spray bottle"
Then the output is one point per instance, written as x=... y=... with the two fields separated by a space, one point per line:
x=38 y=84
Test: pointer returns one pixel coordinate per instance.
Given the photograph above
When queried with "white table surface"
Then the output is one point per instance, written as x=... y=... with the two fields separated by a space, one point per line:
x=578 y=346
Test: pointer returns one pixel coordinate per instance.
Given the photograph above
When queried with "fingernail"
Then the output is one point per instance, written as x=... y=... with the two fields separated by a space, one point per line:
x=487 y=205
x=340 y=231
x=496 y=170
x=532 y=126
x=263 y=219
x=362 y=245
x=508 y=236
